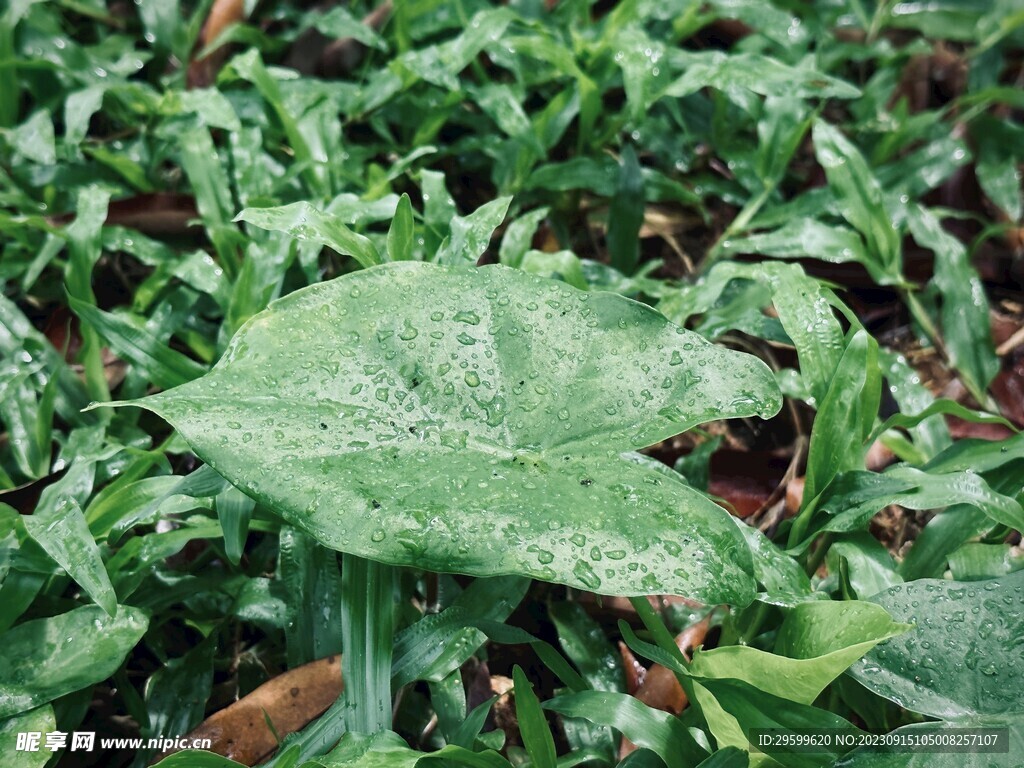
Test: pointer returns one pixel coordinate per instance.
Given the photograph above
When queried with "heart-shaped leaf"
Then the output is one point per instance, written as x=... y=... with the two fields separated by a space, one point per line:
x=473 y=420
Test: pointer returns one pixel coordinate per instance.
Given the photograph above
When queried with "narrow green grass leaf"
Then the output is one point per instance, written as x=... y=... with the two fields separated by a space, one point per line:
x=856 y=496
x=866 y=565
x=533 y=726
x=389 y=750
x=164 y=366
x=234 y=510
x=313 y=592
x=586 y=645
x=471 y=235
x=966 y=327
x=518 y=237
x=40 y=721
x=946 y=407
x=837 y=443
x=400 y=233
x=859 y=195
x=34 y=140
x=975 y=562
x=626 y=214
x=303 y=221
x=59 y=527
x=176 y=694
x=197 y=758
x=43 y=659
x=652 y=729
x=756 y=72
x=249 y=65
x=84 y=236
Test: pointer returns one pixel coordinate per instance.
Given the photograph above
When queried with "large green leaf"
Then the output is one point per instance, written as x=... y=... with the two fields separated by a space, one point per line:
x=472 y=420
x=953 y=666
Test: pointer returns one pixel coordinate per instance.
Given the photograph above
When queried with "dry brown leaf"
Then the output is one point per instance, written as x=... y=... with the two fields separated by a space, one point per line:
x=289 y=701
x=660 y=689
x=202 y=72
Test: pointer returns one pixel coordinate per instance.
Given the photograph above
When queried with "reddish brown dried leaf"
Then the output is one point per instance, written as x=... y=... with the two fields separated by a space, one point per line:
x=289 y=701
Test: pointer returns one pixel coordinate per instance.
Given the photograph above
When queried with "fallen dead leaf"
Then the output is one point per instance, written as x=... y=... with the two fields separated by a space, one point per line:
x=289 y=701
x=660 y=689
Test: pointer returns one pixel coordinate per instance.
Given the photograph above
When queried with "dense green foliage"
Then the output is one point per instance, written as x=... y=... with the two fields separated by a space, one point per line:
x=369 y=444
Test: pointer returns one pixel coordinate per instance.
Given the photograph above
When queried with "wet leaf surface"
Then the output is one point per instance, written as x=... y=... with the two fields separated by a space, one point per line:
x=471 y=421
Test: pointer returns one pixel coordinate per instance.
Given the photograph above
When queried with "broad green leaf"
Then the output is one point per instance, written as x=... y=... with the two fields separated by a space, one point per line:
x=906 y=757
x=40 y=721
x=953 y=665
x=751 y=708
x=513 y=384
x=729 y=757
x=46 y=658
x=652 y=729
x=859 y=196
x=816 y=643
x=303 y=221
x=532 y=725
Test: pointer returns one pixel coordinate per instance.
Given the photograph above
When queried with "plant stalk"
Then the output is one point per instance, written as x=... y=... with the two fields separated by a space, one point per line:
x=367 y=636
